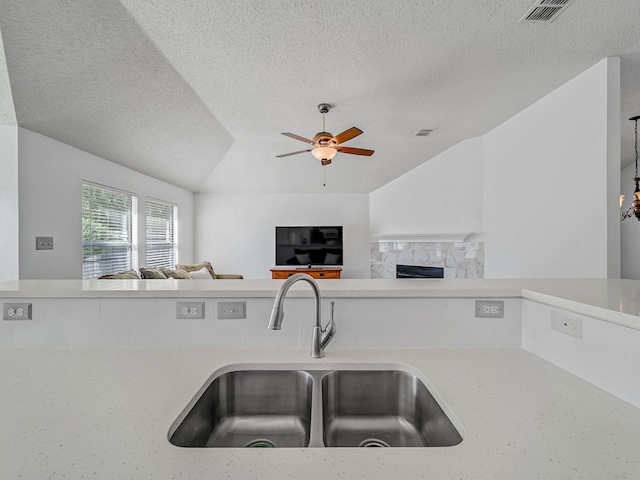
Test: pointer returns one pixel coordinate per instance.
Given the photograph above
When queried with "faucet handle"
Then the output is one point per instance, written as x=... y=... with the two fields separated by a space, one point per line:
x=330 y=330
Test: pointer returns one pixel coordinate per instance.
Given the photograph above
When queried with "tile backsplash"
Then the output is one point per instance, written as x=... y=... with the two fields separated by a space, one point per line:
x=607 y=356
x=361 y=323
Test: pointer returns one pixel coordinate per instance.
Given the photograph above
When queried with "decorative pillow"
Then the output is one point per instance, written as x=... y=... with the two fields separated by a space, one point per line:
x=202 y=274
x=151 y=273
x=128 y=275
x=179 y=274
x=194 y=267
x=331 y=259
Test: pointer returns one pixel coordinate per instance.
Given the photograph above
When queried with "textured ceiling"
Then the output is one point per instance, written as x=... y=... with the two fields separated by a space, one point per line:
x=197 y=93
x=86 y=74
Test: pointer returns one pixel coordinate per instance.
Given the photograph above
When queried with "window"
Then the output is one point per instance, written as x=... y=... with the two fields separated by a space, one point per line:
x=161 y=235
x=109 y=226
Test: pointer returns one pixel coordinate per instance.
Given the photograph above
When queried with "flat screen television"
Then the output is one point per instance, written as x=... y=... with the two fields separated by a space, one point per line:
x=309 y=246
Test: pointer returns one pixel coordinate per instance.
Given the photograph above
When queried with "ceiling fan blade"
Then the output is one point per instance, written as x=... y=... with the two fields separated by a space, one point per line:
x=292 y=153
x=298 y=137
x=355 y=151
x=346 y=135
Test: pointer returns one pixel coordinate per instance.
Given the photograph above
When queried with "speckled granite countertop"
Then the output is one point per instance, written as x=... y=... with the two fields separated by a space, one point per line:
x=106 y=414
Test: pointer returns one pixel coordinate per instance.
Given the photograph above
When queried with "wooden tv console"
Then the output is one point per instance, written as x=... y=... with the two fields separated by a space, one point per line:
x=317 y=273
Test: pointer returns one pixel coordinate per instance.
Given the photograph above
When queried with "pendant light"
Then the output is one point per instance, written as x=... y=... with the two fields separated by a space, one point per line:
x=634 y=209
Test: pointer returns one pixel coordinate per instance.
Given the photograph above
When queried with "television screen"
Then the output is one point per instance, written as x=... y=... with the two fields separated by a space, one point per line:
x=315 y=246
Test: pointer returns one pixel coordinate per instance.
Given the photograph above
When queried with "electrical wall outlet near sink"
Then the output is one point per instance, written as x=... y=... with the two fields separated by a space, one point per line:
x=311 y=405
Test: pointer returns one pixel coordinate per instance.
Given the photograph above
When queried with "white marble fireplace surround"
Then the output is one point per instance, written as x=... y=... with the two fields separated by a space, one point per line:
x=388 y=314
x=460 y=259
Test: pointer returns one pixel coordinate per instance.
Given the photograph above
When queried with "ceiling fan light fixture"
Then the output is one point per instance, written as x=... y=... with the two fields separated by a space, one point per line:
x=326 y=146
x=324 y=153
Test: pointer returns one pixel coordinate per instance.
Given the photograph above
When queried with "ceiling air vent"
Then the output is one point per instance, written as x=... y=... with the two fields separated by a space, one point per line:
x=545 y=11
x=424 y=132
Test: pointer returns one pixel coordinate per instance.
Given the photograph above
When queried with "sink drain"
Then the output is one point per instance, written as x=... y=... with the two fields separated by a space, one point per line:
x=260 y=444
x=373 y=442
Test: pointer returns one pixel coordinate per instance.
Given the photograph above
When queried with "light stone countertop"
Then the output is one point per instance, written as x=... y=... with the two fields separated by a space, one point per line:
x=106 y=414
x=612 y=300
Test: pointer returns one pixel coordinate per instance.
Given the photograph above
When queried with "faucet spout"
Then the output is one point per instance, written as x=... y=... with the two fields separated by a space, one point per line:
x=275 y=321
x=319 y=341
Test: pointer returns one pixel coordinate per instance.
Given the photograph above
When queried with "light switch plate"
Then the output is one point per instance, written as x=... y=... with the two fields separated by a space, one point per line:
x=232 y=310
x=44 y=243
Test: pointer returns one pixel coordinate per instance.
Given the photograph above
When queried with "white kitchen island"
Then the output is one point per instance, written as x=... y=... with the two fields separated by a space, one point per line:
x=106 y=412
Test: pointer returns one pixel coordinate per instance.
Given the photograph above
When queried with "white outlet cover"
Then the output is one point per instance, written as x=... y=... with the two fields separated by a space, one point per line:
x=190 y=310
x=16 y=311
x=489 y=309
x=567 y=324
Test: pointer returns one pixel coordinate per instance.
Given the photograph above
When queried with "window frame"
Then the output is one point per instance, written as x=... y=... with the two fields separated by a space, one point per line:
x=115 y=255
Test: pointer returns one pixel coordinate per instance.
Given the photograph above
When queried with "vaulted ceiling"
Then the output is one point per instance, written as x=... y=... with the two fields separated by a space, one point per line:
x=197 y=93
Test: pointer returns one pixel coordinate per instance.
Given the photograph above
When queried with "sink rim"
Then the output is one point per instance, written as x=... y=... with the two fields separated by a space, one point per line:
x=327 y=368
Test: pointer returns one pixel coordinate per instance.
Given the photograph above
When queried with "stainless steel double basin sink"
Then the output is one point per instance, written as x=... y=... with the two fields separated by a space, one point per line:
x=260 y=406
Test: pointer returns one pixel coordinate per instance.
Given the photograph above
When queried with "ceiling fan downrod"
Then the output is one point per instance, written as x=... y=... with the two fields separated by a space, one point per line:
x=324 y=108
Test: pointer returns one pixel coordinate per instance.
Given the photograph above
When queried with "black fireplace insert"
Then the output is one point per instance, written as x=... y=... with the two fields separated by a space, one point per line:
x=416 y=271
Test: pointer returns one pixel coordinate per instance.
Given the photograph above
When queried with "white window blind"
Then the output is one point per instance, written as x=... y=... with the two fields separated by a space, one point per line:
x=161 y=234
x=109 y=226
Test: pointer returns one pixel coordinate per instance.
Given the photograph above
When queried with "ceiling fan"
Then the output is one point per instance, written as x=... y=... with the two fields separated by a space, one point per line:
x=325 y=144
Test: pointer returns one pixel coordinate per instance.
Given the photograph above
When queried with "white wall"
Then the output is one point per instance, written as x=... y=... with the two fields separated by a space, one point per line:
x=546 y=187
x=613 y=166
x=443 y=195
x=629 y=229
x=9 y=248
x=236 y=232
x=50 y=182
x=542 y=187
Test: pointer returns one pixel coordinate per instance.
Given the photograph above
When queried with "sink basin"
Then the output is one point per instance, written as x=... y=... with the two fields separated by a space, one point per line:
x=313 y=406
x=263 y=408
x=382 y=408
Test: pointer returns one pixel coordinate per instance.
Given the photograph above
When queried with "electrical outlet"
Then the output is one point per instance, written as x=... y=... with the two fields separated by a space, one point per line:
x=190 y=310
x=16 y=311
x=566 y=324
x=489 y=309
x=232 y=310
